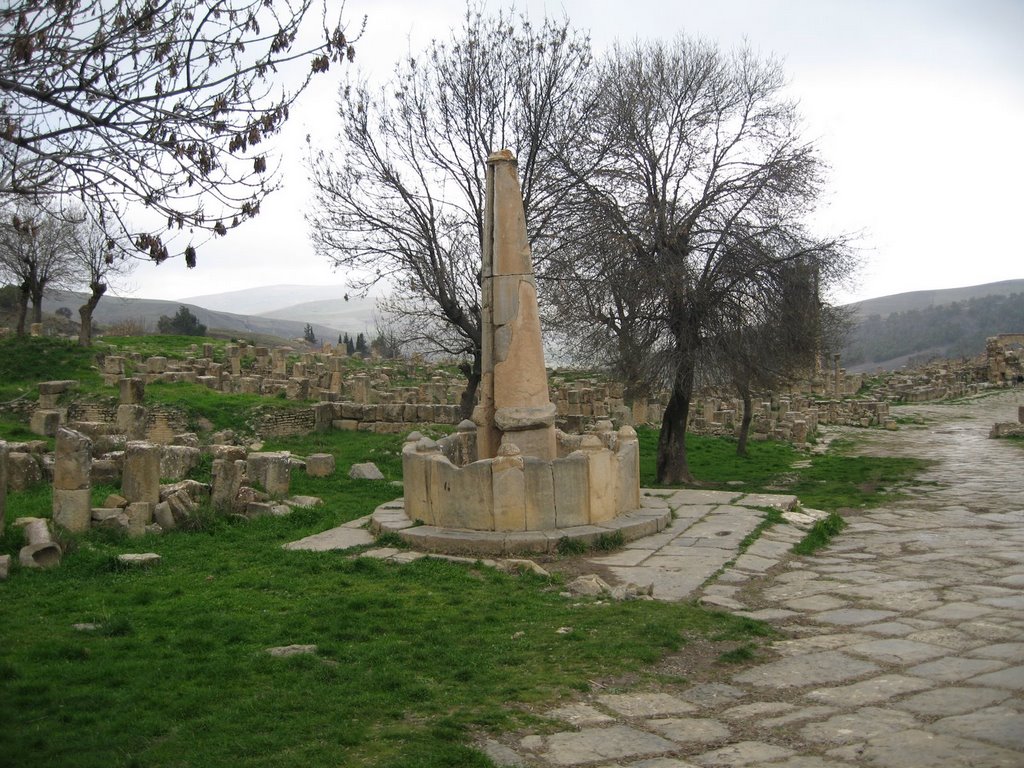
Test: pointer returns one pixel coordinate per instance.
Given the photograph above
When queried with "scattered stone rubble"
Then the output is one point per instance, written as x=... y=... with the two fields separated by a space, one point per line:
x=1009 y=428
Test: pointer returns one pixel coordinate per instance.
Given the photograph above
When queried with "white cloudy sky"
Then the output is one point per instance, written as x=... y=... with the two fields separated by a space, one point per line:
x=917 y=105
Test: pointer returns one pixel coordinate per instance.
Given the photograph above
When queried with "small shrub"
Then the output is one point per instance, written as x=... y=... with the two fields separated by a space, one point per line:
x=609 y=541
x=567 y=546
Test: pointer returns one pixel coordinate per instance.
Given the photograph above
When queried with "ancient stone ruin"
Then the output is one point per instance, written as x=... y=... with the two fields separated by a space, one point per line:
x=508 y=481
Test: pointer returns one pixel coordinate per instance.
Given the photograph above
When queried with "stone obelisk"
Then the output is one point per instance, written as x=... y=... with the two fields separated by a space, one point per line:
x=514 y=404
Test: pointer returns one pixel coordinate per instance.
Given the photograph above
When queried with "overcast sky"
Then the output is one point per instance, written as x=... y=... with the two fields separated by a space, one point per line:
x=917 y=106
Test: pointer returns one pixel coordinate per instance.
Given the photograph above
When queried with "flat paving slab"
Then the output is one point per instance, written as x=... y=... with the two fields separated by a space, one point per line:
x=589 y=745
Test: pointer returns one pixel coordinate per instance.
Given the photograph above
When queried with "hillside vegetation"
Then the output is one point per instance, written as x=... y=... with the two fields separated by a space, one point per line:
x=954 y=330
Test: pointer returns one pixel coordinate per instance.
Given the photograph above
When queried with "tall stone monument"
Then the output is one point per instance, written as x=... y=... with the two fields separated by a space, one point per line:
x=514 y=403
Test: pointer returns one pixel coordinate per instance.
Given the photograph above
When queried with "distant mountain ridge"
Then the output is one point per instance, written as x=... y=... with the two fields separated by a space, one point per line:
x=904 y=302
x=893 y=331
x=265 y=299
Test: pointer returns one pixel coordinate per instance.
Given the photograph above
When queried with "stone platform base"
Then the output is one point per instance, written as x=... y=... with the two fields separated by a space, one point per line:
x=391 y=518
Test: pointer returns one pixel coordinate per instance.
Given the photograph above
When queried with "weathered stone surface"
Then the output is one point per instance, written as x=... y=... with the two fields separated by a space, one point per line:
x=271 y=471
x=592 y=744
x=686 y=730
x=335 y=538
x=227 y=477
x=72 y=510
x=743 y=753
x=871 y=691
x=808 y=669
x=947 y=701
x=916 y=747
x=284 y=651
x=865 y=723
x=5 y=567
x=141 y=477
x=176 y=461
x=646 y=704
x=320 y=465
x=365 y=471
x=579 y=715
x=139 y=560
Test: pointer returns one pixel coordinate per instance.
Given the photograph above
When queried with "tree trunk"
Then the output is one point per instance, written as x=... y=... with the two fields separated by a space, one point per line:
x=85 y=313
x=37 y=303
x=473 y=376
x=673 y=467
x=22 y=309
x=748 y=415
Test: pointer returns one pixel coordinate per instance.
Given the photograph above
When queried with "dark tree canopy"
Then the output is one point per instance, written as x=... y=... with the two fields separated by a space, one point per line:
x=160 y=105
x=184 y=323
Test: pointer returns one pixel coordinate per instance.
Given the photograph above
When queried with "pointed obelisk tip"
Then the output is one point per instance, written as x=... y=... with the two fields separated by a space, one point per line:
x=502 y=156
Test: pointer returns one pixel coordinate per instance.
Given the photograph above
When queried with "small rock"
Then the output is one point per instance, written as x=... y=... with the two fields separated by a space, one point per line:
x=155 y=528
x=140 y=560
x=115 y=500
x=522 y=566
x=304 y=502
x=85 y=626
x=291 y=650
x=589 y=584
x=563 y=630
x=365 y=471
x=5 y=566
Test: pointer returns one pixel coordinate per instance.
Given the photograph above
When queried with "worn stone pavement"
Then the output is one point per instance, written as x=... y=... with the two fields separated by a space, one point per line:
x=903 y=641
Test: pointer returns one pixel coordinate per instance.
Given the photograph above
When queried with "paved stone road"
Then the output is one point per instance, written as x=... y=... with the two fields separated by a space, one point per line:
x=904 y=640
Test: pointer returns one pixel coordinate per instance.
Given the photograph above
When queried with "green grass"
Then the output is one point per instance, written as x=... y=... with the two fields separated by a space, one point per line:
x=27 y=360
x=836 y=480
x=821 y=534
x=713 y=460
x=170 y=346
x=219 y=410
x=411 y=660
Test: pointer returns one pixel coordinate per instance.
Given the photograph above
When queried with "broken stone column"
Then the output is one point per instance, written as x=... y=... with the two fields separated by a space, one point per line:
x=271 y=471
x=132 y=421
x=3 y=484
x=41 y=551
x=227 y=479
x=72 y=484
x=515 y=407
x=140 y=479
x=132 y=391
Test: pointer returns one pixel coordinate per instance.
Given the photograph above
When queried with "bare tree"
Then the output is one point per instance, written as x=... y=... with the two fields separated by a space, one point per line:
x=99 y=261
x=402 y=199
x=772 y=330
x=35 y=255
x=160 y=104
x=694 y=146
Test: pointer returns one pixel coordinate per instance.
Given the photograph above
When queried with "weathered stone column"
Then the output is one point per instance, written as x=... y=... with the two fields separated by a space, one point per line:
x=3 y=484
x=141 y=478
x=72 y=488
x=514 y=403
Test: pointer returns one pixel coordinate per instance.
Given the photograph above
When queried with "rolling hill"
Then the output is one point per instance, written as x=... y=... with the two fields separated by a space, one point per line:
x=893 y=331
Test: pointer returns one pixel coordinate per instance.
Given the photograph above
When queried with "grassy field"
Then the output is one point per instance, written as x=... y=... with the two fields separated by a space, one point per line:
x=412 y=660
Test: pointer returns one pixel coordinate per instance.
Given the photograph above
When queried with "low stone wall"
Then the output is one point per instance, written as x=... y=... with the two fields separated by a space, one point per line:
x=595 y=478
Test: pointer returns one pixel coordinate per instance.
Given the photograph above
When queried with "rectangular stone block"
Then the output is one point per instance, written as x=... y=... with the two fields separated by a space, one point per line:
x=462 y=497
x=572 y=499
x=72 y=509
x=509 y=491
x=45 y=422
x=540 y=494
x=601 y=485
x=72 y=463
x=141 y=476
x=3 y=484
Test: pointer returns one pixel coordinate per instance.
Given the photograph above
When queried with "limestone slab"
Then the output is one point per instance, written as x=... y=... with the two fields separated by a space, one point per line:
x=871 y=691
x=852 y=616
x=1012 y=678
x=916 y=747
x=802 y=715
x=954 y=668
x=998 y=725
x=614 y=743
x=1006 y=651
x=742 y=753
x=645 y=704
x=865 y=723
x=807 y=669
x=685 y=730
x=579 y=715
x=336 y=538
x=948 y=701
x=897 y=651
